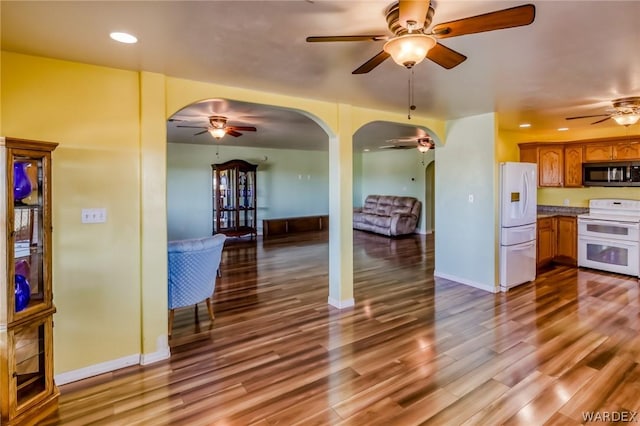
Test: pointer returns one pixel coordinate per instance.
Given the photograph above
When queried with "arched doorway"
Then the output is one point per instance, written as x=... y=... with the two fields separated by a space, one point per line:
x=289 y=148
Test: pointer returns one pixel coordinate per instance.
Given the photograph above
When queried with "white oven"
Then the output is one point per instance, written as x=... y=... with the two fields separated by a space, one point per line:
x=609 y=236
x=610 y=255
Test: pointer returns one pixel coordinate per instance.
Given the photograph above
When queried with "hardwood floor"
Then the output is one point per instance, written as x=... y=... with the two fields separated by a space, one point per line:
x=413 y=350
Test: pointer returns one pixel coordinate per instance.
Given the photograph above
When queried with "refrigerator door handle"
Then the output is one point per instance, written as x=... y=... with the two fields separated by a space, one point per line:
x=525 y=193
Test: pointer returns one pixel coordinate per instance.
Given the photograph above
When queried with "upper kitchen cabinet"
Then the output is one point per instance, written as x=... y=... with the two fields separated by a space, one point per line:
x=612 y=150
x=558 y=165
x=528 y=154
x=551 y=165
x=573 y=166
x=626 y=151
x=598 y=152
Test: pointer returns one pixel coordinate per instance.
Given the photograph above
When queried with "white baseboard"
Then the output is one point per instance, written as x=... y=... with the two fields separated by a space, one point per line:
x=146 y=359
x=162 y=351
x=481 y=286
x=94 y=370
x=341 y=304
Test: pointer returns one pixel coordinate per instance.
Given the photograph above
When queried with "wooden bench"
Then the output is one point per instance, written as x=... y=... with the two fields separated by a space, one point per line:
x=289 y=225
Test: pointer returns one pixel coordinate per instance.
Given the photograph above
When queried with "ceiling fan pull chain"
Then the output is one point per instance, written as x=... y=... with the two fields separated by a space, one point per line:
x=412 y=107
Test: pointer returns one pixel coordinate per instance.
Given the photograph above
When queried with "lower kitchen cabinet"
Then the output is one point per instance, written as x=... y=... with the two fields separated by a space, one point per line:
x=567 y=247
x=557 y=241
x=546 y=244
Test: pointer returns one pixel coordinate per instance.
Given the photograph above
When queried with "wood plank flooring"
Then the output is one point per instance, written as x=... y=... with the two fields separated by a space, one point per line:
x=414 y=349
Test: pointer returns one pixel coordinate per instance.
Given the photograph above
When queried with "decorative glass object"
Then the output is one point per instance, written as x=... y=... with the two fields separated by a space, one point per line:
x=22 y=292
x=21 y=182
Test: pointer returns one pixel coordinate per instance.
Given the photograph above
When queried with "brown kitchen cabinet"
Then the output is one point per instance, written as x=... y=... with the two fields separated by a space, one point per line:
x=546 y=242
x=528 y=154
x=572 y=166
x=626 y=151
x=598 y=152
x=558 y=165
x=551 y=165
x=616 y=151
x=567 y=240
x=557 y=241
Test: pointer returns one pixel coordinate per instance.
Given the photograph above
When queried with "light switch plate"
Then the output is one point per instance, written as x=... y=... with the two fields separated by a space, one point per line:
x=94 y=215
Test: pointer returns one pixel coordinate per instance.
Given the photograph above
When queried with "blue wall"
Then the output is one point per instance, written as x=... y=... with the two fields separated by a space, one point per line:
x=465 y=232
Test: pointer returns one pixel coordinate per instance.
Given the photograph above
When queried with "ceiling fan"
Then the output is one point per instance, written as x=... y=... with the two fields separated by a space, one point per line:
x=422 y=143
x=625 y=111
x=411 y=42
x=218 y=127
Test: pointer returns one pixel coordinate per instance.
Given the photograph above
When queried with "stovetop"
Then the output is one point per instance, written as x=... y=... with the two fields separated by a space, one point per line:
x=618 y=210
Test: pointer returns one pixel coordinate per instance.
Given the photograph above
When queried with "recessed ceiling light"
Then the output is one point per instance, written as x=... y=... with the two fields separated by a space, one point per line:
x=525 y=125
x=563 y=129
x=123 y=37
x=366 y=150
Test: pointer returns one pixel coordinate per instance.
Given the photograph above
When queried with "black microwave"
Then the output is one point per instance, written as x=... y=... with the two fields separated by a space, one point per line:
x=611 y=174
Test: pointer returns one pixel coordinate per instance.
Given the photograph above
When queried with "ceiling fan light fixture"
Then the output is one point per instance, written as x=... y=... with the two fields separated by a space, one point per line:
x=626 y=119
x=217 y=132
x=424 y=145
x=410 y=49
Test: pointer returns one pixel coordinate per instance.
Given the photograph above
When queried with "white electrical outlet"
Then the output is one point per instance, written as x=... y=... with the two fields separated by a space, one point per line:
x=471 y=198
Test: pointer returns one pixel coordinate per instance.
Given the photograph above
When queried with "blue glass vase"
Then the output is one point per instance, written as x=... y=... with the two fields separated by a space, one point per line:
x=22 y=292
x=21 y=182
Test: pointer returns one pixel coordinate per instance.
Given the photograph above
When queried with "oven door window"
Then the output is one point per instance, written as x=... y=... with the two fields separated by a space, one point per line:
x=603 y=253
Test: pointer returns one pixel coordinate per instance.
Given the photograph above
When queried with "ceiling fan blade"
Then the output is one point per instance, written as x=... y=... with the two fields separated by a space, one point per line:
x=600 y=121
x=194 y=127
x=371 y=63
x=242 y=128
x=445 y=57
x=233 y=133
x=506 y=18
x=316 y=39
x=199 y=133
x=413 y=11
x=587 y=116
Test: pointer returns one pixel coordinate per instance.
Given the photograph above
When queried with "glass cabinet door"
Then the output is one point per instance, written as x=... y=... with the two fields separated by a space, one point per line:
x=31 y=349
x=29 y=241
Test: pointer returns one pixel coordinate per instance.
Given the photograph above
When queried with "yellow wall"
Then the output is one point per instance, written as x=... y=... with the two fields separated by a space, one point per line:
x=575 y=197
x=93 y=113
x=110 y=279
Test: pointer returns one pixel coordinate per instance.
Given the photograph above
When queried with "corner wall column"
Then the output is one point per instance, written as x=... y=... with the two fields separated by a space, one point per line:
x=341 y=212
x=153 y=218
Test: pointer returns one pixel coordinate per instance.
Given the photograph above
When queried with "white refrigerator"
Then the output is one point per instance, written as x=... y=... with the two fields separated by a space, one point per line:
x=518 y=216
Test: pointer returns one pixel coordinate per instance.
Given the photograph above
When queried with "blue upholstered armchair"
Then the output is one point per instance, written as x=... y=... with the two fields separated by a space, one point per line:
x=193 y=265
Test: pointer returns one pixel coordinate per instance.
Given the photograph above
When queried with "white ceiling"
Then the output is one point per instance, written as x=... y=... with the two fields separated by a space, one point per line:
x=574 y=59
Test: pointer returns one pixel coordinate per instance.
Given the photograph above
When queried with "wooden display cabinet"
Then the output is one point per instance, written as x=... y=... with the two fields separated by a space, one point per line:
x=234 y=198
x=27 y=390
